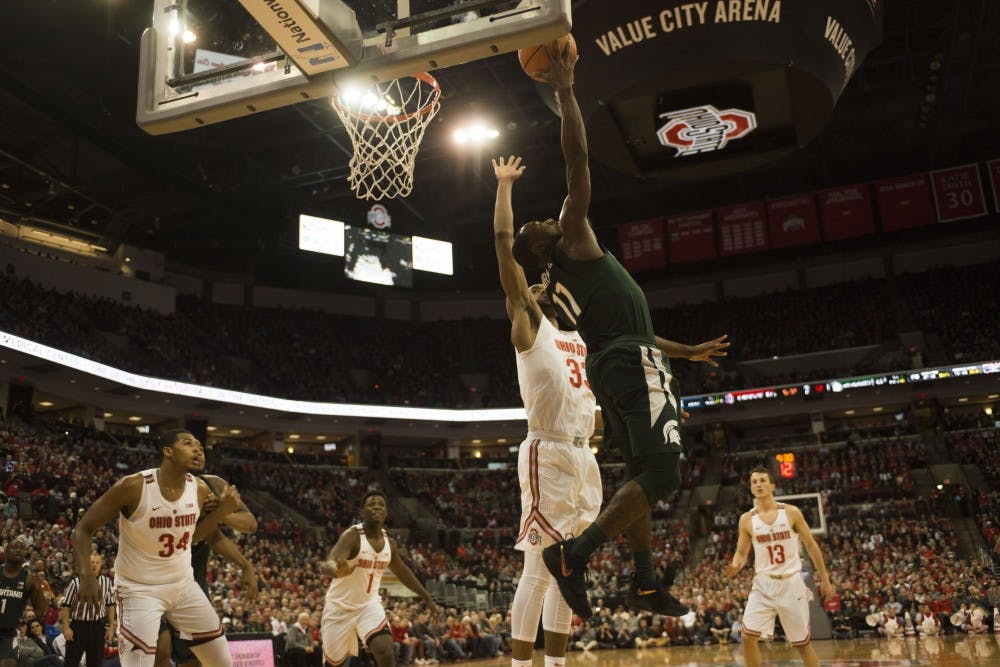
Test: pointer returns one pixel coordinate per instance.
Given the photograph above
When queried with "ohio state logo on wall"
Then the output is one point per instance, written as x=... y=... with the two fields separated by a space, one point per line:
x=704 y=129
x=379 y=218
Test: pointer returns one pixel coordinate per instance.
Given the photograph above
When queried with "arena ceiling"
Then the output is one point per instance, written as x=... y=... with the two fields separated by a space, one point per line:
x=227 y=196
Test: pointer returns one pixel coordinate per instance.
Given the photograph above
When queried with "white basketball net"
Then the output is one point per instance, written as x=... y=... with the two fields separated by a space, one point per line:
x=386 y=125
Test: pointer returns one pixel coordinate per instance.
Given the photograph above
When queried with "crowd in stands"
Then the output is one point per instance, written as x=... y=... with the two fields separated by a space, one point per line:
x=894 y=555
x=320 y=356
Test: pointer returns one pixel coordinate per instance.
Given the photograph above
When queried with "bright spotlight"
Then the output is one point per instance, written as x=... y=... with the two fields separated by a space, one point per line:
x=461 y=137
x=477 y=133
x=369 y=100
x=188 y=37
x=492 y=134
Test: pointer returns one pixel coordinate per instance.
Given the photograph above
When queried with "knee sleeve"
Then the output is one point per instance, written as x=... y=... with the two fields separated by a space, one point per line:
x=556 y=614
x=526 y=609
x=661 y=474
x=214 y=653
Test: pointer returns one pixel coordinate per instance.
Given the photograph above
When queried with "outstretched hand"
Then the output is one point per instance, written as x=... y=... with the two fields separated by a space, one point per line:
x=560 y=74
x=711 y=348
x=510 y=170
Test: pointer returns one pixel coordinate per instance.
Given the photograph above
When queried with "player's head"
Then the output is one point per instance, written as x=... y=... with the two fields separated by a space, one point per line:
x=183 y=449
x=374 y=506
x=17 y=551
x=761 y=484
x=534 y=242
x=542 y=299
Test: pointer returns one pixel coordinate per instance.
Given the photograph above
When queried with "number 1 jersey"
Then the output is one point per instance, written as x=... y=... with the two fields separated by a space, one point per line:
x=360 y=588
x=154 y=542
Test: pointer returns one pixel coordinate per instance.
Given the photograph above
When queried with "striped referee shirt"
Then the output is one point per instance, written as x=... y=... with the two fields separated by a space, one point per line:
x=79 y=611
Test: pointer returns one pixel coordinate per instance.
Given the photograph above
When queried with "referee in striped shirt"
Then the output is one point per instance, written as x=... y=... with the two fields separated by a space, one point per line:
x=86 y=626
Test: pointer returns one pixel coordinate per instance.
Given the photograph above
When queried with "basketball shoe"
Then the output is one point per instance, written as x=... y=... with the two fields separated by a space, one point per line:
x=569 y=572
x=655 y=598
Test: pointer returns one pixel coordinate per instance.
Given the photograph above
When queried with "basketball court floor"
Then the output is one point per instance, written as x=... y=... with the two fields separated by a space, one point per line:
x=946 y=651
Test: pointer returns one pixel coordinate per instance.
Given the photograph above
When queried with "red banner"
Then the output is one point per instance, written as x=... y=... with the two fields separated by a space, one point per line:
x=905 y=202
x=642 y=245
x=958 y=193
x=692 y=237
x=846 y=212
x=742 y=229
x=793 y=221
x=993 y=167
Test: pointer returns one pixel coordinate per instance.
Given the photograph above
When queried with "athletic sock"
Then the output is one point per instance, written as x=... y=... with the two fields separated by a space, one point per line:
x=644 y=574
x=553 y=661
x=514 y=662
x=588 y=541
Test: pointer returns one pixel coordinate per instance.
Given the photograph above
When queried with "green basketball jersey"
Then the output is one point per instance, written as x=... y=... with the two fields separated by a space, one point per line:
x=599 y=298
x=13 y=599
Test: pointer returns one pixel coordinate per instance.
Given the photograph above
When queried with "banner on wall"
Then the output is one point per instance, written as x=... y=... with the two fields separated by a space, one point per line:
x=958 y=193
x=742 y=229
x=642 y=245
x=905 y=202
x=692 y=237
x=993 y=168
x=792 y=221
x=846 y=212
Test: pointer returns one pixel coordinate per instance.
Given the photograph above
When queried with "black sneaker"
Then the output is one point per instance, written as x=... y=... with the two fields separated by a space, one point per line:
x=568 y=572
x=654 y=599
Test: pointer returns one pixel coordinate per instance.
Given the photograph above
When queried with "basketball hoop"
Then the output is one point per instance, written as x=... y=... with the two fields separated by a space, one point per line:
x=386 y=125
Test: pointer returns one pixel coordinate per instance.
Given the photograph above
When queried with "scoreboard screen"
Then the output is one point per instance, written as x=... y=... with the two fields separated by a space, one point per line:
x=374 y=256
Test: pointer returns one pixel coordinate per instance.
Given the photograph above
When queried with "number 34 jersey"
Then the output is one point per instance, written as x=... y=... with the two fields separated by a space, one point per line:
x=155 y=541
x=552 y=375
x=360 y=588
x=775 y=545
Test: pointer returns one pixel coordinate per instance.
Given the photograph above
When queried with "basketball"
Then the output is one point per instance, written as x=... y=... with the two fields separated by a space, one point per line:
x=534 y=59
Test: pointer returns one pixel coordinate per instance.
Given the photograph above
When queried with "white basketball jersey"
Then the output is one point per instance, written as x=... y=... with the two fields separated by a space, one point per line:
x=360 y=587
x=154 y=544
x=552 y=375
x=776 y=545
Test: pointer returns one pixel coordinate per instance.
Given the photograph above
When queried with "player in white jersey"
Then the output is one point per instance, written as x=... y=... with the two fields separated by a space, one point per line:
x=353 y=609
x=775 y=529
x=159 y=518
x=560 y=481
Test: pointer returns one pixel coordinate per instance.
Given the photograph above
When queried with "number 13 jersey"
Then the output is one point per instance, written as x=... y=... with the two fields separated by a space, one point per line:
x=775 y=545
x=552 y=375
x=360 y=588
x=154 y=546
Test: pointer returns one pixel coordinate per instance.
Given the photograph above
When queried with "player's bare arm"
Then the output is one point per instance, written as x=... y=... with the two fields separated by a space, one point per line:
x=408 y=579
x=578 y=240
x=717 y=347
x=800 y=526
x=522 y=309
x=228 y=502
x=36 y=594
x=123 y=497
x=230 y=551
x=347 y=547
x=743 y=545
x=242 y=519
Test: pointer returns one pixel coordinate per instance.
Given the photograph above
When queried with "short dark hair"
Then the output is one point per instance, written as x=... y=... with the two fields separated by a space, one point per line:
x=375 y=492
x=522 y=252
x=168 y=438
x=763 y=471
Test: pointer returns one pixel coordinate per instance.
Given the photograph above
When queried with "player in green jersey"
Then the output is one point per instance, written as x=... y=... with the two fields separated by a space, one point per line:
x=18 y=587
x=626 y=365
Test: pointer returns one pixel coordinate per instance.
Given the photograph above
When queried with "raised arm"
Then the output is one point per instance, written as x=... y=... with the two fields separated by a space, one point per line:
x=229 y=501
x=578 y=241
x=242 y=519
x=123 y=496
x=36 y=594
x=522 y=309
x=346 y=548
x=408 y=579
x=742 y=547
x=800 y=526
x=700 y=352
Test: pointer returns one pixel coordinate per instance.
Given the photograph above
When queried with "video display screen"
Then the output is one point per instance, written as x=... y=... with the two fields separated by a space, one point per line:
x=378 y=257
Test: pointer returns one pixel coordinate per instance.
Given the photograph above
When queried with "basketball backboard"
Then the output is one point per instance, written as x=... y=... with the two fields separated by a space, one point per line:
x=206 y=61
